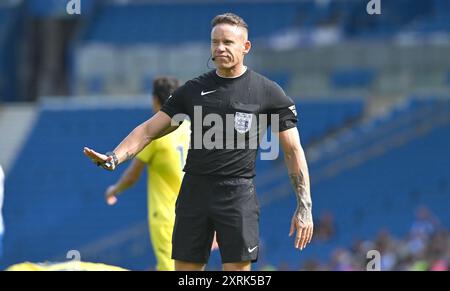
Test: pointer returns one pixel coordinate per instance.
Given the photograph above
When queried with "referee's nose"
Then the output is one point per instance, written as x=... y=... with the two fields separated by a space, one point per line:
x=219 y=49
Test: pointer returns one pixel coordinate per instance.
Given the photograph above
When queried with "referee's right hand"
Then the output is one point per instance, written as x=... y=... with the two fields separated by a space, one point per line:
x=99 y=159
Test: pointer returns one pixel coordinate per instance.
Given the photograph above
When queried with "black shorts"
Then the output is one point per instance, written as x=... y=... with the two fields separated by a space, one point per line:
x=228 y=206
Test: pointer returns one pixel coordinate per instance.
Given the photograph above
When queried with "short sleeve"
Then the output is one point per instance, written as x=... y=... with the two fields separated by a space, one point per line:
x=282 y=105
x=176 y=102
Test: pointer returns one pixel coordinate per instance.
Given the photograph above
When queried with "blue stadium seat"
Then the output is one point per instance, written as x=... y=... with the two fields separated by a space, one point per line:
x=352 y=78
x=317 y=118
x=148 y=23
x=55 y=200
x=381 y=193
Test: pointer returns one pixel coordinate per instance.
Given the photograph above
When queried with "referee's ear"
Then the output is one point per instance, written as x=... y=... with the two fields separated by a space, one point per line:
x=247 y=47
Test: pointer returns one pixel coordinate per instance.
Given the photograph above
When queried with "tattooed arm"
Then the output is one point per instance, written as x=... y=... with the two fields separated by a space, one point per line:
x=302 y=222
x=140 y=137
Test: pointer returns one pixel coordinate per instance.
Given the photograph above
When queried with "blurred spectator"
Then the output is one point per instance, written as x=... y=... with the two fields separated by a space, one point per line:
x=422 y=229
x=360 y=249
x=311 y=265
x=426 y=248
x=439 y=265
x=439 y=246
x=419 y=266
x=325 y=230
x=341 y=260
x=416 y=244
x=385 y=244
x=425 y=223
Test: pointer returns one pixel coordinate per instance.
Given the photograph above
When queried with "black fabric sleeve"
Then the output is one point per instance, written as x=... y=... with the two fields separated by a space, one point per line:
x=176 y=103
x=281 y=105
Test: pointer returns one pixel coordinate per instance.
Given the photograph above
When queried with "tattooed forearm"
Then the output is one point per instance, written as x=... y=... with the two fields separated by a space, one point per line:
x=302 y=194
x=129 y=156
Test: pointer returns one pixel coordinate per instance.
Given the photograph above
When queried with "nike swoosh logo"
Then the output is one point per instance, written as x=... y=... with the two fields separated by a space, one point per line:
x=251 y=250
x=207 y=92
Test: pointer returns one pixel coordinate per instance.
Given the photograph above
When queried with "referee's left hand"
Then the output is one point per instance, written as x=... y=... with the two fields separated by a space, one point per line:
x=99 y=159
x=302 y=225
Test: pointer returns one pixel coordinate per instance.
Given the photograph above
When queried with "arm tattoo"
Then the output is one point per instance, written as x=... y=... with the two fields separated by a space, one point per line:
x=304 y=202
x=129 y=156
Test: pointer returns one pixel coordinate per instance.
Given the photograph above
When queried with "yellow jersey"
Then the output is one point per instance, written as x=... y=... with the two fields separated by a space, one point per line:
x=165 y=158
x=63 y=266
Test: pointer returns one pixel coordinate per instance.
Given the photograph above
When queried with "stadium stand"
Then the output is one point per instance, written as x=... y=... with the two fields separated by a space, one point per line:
x=376 y=193
x=8 y=35
x=370 y=169
x=56 y=205
x=141 y=22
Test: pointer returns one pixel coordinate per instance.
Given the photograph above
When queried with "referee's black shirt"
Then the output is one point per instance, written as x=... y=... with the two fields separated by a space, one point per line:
x=250 y=93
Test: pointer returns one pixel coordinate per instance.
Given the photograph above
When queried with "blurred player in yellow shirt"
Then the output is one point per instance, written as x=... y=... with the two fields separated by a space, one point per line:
x=165 y=158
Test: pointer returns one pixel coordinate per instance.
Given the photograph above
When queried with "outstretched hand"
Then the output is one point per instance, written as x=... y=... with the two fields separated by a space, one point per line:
x=99 y=159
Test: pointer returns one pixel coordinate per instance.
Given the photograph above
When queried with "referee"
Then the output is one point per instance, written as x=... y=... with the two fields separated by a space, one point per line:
x=217 y=192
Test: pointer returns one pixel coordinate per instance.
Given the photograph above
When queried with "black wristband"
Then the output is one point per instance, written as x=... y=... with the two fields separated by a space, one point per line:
x=115 y=160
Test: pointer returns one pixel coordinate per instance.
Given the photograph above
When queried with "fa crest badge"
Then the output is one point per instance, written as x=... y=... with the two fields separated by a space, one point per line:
x=242 y=122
